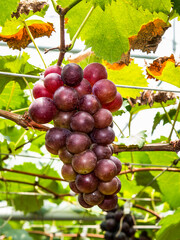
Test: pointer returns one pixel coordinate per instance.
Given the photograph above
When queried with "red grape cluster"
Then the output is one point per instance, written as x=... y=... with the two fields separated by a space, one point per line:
x=118 y=226
x=81 y=103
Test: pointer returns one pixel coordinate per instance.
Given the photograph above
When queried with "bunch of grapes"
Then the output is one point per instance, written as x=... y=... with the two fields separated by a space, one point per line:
x=118 y=226
x=81 y=103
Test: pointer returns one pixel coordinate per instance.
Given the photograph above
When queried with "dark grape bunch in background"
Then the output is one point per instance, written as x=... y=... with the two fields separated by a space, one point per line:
x=80 y=103
x=118 y=226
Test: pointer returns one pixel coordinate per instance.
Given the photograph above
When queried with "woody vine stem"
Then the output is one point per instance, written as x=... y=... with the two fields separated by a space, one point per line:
x=63 y=48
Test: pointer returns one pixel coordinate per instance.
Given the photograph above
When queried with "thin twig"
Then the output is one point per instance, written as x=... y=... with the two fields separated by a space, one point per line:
x=173 y=125
x=147 y=210
x=133 y=170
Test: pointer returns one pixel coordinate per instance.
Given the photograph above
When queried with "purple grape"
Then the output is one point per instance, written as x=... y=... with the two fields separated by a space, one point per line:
x=102 y=118
x=52 y=82
x=78 y=142
x=117 y=162
x=104 y=90
x=39 y=90
x=108 y=188
x=72 y=74
x=82 y=122
x=83 y=88
x=103 y=136
x=66 y=98
x=93 y=198
x=105 y=170
x=101 y=151
x=109 y=202
x=62 y=119
x=84 y=162
x=86 y=183
x=56 y=138
x=68 y=173
x=89 y=103
x=42 y=110
x=53 y=69
x=82 y=202
x=94 y=72
x=64 y=155
x=73 y=187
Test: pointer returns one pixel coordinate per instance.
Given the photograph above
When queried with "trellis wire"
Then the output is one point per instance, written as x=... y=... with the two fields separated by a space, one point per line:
x=117 y=85
x=57 y=159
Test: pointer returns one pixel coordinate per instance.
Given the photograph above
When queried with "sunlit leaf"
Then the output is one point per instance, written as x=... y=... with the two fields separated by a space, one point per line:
x=108 y=32
x=165 y=69
x=18 y=37
x=170 y=227
x=7 y=7
x=131 y=75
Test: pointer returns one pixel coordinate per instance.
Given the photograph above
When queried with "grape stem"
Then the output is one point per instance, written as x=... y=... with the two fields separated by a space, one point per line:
x=62 y=41
x=175 y=119
x=32 y=39
x=169 y=119
x=56 y=195
x=80 y=28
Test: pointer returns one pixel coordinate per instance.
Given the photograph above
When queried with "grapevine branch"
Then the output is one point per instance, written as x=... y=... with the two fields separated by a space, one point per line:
x=26 y=122
x=36 y=184
x=60 y=179
x=23 y=120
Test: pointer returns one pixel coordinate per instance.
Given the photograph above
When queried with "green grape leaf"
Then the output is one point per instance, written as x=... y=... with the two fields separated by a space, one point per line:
x=131 y=75
x=176 y=6
x=101 y=3
x=153 y=5
x=107 y=32
x=7 y=7
x=162 y=158
x=139 y=157
x=131 y=141
x=16 y=64
x=163 y=117
x=28 y=203
x=15 y=234
x=144 y=178
x=170 y=227
x=17 y=97
x=169 y=186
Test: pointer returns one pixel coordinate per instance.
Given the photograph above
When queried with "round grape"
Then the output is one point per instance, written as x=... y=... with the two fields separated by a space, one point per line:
x=72 y=74
x=42 y=110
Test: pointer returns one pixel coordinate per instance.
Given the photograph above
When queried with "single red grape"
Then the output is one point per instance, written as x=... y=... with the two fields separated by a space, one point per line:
x=42 y=110
x=39 y=90
x=115 y=105
x=104 y=90
x=72 y=74
x=83 y=88
x=52 y=82
x=94 y=72
x=66 y=98
x=53 y=69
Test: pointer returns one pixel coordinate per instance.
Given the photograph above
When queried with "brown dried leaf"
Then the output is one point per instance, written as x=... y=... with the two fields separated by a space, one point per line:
x=156 y=68
x=149 y=97
x=22 y=39
x=27 y=6
x=149 y=36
